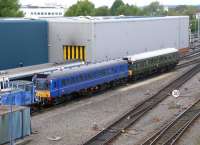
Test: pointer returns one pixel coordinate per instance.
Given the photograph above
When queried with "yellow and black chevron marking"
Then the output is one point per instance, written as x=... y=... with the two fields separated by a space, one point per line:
x=74 y=52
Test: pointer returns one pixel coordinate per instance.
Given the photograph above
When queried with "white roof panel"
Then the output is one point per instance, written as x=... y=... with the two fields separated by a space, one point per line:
x=89 y=19
x=151 y=54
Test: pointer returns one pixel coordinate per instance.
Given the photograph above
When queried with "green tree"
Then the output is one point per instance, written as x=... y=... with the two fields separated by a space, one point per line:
x=154 y=9
x=102 y=11
x=81 y=8
x=118 y=4
x=128 y=10
x=193 y=25
x=10 y=8
x=183 y=10
x=186 y=10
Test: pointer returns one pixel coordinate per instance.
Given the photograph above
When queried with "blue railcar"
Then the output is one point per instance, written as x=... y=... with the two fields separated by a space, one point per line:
x=20 y=93
x=58 y=84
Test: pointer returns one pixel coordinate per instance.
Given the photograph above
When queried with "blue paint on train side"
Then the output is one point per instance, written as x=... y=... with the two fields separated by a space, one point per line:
x=78 y=80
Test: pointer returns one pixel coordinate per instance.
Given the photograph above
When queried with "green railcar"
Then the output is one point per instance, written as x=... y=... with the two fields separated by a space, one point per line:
x=145 y=64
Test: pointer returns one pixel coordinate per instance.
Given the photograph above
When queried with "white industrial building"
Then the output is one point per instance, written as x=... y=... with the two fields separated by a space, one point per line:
x=42 y=11
x=102 y=38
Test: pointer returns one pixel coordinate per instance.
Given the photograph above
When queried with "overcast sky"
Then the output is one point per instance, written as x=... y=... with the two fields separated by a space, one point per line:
x=109 y=2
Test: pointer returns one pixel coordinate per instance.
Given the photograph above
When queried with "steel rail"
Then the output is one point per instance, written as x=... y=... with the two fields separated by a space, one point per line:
x=170 y=134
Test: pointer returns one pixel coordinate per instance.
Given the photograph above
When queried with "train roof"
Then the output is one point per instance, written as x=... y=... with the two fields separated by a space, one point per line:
x=151 y=54
x=87 y=67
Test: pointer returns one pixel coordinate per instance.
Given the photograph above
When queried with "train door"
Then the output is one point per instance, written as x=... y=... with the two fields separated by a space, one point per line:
x=55 y=88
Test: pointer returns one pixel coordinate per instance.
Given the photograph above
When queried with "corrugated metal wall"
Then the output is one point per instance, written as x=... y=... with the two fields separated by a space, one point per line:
x=21 y=123
x=23 y=41
x=105 y=39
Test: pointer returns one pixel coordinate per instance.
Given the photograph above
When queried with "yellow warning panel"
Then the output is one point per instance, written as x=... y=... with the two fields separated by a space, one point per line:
x=74 y=52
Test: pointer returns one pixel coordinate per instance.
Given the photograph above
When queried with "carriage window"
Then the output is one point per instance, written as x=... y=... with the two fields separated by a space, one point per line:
x=63 y=83
x=104 y=72
x=154 y=60
x=168 y=57
x=113 y=70
x=147 y=62
x=78 y=78
x=142 y=64
x=72 y=80
x=136 y=65
x=81 y=78
x=90 y=76
x=84 y=77
x=121 y=67
x=67 y=81
x=55 y=85
x=107 y=72
x=98 y=74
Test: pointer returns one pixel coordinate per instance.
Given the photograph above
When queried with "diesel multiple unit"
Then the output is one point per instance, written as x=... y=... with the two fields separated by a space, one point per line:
x=53 y=87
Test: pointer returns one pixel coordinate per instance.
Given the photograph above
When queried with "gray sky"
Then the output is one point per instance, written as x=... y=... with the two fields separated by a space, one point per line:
x=109 y=2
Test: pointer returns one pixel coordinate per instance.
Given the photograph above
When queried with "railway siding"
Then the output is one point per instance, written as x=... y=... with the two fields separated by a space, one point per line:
x=174 y=130
x=128 y=119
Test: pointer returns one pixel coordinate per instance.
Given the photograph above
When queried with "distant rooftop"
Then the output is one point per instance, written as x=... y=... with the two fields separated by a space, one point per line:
x=47 y=6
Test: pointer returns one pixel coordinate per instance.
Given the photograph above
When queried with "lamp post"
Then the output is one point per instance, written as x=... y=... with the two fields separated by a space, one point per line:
x=198 y=27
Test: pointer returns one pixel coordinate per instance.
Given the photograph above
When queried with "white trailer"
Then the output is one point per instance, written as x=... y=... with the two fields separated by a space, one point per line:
x=102 y=38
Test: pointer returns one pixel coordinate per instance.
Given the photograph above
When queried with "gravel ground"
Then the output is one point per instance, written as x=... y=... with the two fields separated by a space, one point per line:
x=75 y=122
x=162 y=114
x=192 y=136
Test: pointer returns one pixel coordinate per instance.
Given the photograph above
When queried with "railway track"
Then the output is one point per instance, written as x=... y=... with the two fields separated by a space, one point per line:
x=188 y=63
x=128 y=119
x=170 y=134
x=191 y=55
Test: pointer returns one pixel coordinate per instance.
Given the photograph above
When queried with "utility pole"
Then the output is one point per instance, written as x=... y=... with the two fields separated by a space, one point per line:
x=198 y=27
